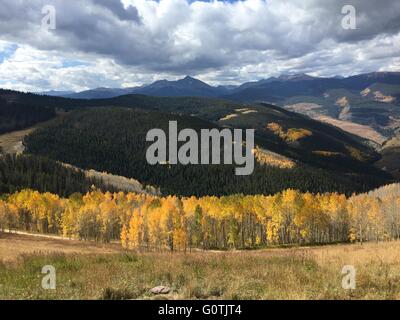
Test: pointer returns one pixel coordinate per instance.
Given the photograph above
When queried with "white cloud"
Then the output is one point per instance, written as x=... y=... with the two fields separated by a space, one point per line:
x=216 y=41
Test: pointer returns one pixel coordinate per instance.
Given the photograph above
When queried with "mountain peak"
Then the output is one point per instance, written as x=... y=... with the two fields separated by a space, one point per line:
x=295 y=77
x=190 y=80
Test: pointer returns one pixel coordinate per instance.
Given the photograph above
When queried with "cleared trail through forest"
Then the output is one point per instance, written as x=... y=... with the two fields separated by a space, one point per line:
x=11 y=142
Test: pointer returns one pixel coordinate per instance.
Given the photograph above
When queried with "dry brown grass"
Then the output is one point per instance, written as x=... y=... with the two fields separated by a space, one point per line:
x=354 y=128
x=357 y=254
x=311 y=110
x=276 y=273
x=14 y=245
x=12 y=142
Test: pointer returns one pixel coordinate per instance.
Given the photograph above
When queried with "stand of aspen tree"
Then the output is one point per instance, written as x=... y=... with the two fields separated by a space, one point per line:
x=146 y=222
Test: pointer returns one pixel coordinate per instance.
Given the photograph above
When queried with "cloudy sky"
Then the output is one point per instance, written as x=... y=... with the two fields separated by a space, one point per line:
x=122 y=43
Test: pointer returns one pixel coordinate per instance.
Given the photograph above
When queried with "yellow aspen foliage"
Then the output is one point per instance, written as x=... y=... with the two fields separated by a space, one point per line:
x=149 y=222
x=135 y=230
x=124 y=237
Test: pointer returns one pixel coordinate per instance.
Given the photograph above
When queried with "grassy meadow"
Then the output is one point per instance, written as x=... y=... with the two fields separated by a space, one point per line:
x=279 y=273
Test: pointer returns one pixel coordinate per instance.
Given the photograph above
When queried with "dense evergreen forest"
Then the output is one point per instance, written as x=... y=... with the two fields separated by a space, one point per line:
x=15 y=116
x=113 y=140
x=23 y=171
x=209 y=108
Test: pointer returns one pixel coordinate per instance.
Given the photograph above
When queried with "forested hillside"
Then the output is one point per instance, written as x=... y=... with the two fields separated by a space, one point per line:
x=20 y=172
x=208 y=108
x=113 y=140
x=15 y=116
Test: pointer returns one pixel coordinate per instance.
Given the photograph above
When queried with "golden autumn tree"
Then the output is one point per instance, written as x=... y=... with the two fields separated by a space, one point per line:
x=148 y=222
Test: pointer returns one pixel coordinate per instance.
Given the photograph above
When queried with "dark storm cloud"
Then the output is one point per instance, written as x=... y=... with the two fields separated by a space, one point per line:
x=373 y=18
x=117 y=8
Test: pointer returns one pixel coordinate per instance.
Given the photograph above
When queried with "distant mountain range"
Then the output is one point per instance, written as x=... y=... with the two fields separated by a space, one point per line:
x=370 y=99
x=278 y=89
x=187 y=86
x=271 y=89
x=55 y=93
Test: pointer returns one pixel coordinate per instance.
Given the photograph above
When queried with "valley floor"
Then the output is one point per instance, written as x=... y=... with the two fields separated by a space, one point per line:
x=93 y=271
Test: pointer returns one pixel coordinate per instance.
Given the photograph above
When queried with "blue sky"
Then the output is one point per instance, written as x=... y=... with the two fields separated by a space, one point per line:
x=70 y=63
x=8 y=51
